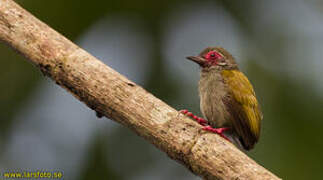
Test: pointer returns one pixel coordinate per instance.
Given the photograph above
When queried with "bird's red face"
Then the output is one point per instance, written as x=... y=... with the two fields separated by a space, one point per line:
x=210 y=58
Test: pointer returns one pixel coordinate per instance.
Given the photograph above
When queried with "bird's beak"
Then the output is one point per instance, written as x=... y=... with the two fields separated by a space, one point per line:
x=196 y=59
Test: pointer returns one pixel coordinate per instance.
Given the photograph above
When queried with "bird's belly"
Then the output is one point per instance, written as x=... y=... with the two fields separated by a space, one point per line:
x=214 y=110
x=211 y=103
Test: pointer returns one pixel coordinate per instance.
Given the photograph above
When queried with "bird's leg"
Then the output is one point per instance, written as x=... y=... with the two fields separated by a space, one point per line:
x=204 y=123
x=219 y=131
x=201 y=121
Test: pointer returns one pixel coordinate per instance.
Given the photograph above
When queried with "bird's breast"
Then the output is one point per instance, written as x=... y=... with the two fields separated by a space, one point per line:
x=212 y=90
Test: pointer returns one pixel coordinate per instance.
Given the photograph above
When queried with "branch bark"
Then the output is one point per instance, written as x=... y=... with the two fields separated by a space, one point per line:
x=111 y=94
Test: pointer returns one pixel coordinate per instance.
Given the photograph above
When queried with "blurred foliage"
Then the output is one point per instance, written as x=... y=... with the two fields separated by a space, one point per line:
x=97 y=165
x=290 y=145
x=18 y=79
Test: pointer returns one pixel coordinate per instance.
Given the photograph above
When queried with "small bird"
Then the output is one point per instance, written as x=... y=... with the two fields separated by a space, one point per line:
x=227 y=99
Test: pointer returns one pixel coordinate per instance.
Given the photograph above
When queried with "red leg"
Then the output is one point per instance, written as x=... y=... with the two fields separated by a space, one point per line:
x=206 y=127
x=201 y=121
x=219 y=131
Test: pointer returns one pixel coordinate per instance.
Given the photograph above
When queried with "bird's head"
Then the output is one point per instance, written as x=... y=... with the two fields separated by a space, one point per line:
x=214 y=57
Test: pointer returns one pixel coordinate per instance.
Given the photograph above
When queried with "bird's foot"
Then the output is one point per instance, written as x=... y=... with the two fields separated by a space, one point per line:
x=218 y=131
x=204 y=123
x=201 y=121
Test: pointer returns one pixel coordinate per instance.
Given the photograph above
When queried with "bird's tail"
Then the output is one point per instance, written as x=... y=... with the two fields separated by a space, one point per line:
x=235 y=139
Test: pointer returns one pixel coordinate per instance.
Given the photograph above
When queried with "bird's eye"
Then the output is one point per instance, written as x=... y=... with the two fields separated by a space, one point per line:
x=213 y=55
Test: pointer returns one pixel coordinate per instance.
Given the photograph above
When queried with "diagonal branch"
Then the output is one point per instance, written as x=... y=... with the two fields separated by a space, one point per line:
x=111 y=94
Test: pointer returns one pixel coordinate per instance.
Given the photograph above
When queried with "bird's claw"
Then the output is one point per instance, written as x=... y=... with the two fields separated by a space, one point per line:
x=218 y=131
x=206 y=127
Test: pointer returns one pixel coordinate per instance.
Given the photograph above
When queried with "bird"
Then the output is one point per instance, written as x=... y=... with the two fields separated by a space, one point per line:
x=227 y=99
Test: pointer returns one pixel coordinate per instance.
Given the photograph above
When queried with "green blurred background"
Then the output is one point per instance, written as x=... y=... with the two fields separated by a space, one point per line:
x=278 y=44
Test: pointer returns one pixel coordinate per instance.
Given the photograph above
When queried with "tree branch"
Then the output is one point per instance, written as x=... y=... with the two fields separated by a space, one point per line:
x=111 y=94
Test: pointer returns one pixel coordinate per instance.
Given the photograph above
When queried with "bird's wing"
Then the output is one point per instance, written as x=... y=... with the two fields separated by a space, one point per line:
x=242 y=104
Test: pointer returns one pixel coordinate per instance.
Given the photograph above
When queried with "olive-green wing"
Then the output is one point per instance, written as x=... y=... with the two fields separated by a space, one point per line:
x=242 y=103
